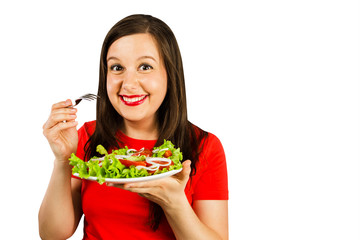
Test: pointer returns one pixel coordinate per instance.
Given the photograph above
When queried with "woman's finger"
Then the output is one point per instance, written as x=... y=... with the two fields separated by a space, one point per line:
x=56 y=120
x=143 y=190
x=61 y=126
x=62 y=104
x=144 y=195
x=139 y=185
x=56 y=108
x=65 y=125
x=115 y=185
x=60 y=115
x=67 y=110
x=185 y=173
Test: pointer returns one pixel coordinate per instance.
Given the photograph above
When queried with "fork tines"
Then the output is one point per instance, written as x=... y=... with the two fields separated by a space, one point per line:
x=89 y=96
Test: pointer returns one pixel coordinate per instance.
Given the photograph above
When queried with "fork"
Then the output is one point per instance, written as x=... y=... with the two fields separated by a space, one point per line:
x=88 y=97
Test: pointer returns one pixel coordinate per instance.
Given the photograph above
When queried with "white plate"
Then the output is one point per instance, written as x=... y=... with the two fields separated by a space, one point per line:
x=138 y=179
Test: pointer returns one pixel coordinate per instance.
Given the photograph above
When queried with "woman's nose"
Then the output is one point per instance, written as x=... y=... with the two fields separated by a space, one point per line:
x=130 y=82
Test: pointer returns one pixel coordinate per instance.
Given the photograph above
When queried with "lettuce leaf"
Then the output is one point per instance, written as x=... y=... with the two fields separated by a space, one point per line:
x=176 y=156
x=111 y=167
x=121 y=151
x=100 y=149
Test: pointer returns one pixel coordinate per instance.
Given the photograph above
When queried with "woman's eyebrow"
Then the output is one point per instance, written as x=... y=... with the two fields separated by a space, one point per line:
x=140 y=58
x=144 y=57
x=111 y=58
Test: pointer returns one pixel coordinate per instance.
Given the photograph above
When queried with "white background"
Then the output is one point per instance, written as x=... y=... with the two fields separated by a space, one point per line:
x=276 y=81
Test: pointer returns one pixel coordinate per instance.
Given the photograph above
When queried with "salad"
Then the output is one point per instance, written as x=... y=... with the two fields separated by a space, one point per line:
x=128 y=163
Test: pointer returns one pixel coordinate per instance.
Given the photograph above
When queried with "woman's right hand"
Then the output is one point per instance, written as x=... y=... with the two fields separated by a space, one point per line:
x=60 y=130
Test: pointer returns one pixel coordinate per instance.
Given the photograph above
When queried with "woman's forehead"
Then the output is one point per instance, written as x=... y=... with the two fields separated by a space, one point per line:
x=134 y=46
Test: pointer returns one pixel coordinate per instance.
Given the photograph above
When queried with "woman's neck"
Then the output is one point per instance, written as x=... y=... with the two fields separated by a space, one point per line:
x=141 y=130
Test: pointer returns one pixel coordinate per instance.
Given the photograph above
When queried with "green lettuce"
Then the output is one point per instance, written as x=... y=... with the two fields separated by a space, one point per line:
x=176 y=156
x=111 y=167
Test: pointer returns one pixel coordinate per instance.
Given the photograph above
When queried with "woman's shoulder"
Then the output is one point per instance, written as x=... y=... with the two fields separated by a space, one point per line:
x=212 y=144
x=85 y=131
x=88 y=127
x=206 y=137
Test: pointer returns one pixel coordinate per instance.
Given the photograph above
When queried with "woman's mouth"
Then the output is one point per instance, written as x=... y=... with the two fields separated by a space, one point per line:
x=133 y=100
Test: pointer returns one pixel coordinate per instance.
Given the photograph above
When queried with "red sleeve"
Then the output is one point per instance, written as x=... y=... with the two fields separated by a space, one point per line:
x=213 y=181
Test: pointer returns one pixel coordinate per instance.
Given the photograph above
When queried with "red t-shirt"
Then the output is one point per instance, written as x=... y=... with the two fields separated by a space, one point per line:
x=113 y=213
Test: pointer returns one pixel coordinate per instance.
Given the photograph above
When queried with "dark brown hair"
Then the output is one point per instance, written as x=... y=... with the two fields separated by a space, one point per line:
x=172 y=114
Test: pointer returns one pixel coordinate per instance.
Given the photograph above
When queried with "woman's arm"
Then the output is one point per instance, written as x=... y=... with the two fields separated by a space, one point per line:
x=214 y=214
x=206 y=220
x=60 y=211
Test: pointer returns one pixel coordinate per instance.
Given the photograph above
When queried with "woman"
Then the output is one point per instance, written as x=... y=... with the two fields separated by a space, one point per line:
x=142 y=102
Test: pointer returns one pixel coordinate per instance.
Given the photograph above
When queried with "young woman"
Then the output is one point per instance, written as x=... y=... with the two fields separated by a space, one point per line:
x=142 y=102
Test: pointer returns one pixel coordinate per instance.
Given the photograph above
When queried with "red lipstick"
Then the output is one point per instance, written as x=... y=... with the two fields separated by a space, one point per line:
x=133 y=100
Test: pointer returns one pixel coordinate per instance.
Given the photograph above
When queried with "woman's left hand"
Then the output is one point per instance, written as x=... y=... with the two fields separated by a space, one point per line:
x=166 y=191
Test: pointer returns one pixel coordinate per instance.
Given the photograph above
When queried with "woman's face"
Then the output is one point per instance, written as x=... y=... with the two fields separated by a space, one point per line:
x=136 y=78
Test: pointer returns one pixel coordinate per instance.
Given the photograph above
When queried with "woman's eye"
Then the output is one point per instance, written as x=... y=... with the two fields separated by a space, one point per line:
x=145 y=67
x=116 y=67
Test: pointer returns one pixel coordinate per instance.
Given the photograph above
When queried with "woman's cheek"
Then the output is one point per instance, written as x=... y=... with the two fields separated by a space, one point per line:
x=113 y=88
x=113 y=85
x=150 y=85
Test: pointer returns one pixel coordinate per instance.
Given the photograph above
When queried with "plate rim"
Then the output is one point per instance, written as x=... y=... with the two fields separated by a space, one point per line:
x=136 y=179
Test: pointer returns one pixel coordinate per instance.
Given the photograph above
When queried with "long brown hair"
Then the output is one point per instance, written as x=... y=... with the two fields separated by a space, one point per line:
x=171 y=115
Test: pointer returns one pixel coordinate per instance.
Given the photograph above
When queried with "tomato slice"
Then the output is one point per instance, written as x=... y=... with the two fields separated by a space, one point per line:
x=167 y=167
x=160 y=167
x=162 y=162
x=129 y=163
x=167 y=154
x=145 y=152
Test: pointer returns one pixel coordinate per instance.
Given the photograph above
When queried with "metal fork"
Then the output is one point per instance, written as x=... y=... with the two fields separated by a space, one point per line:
x=88 y=97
